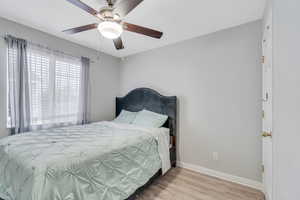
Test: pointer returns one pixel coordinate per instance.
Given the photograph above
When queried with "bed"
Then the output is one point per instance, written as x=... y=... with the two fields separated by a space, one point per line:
x=102 y=160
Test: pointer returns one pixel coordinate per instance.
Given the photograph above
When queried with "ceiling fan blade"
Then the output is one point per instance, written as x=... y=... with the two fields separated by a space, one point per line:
x=81 y=28
x=118 y=43
x=142 y=30
x=83 y=6
x=125 y=6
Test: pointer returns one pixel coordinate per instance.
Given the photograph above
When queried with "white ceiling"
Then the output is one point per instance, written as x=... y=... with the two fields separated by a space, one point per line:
x=179 y=20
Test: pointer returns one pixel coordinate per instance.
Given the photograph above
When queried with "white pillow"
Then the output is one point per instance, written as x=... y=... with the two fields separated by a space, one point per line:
x=125 y=117
x=150 y=119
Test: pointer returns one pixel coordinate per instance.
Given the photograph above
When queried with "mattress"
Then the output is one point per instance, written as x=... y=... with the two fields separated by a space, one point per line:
x=99 y=161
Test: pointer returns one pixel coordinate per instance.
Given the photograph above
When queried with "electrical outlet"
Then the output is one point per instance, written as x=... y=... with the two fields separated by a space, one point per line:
x=215 y=156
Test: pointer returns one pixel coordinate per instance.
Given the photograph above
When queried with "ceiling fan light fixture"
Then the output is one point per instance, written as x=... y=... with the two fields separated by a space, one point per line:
x=110 y=29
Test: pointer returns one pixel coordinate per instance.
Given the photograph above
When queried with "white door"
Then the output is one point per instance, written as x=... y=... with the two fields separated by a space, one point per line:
x=267 y=109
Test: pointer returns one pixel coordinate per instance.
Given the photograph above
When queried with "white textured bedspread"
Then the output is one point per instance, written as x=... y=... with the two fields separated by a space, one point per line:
x=99 y=161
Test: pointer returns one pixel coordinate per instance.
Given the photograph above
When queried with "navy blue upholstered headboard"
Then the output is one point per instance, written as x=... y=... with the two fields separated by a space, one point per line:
x=146 y=98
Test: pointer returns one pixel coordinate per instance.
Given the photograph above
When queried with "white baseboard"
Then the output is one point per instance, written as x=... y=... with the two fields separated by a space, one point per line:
x=228 y=177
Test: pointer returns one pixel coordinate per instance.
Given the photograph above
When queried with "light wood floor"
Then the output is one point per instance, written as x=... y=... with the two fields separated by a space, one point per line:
x=182 y=184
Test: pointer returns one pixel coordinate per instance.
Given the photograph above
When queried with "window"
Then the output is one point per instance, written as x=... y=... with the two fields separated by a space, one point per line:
x=54 y=87
x=39 y=88
x=67 y=87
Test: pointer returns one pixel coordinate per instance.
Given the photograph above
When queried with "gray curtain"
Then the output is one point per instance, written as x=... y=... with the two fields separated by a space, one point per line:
x=85 y=90
x=18 y=88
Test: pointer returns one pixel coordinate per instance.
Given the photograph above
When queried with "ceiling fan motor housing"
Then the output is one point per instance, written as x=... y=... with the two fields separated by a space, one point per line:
x=108 y=14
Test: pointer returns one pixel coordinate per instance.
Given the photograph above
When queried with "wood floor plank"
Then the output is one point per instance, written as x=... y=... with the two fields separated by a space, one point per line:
x=183 y=184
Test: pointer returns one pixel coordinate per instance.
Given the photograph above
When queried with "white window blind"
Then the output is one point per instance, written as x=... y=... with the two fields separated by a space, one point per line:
x=67 y=87
x=54 y=87
x=40 y=91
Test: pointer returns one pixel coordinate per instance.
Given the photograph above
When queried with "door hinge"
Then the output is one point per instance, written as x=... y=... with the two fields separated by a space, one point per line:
x=263 y=114
x=266 y=97
x=263 y=59
x=263 y=168
x=267 y=134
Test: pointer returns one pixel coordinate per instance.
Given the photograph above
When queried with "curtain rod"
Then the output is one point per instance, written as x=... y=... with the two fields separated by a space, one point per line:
x=50 y=49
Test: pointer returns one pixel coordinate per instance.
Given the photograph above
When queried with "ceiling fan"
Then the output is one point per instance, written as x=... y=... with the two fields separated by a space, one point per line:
x=111 y=23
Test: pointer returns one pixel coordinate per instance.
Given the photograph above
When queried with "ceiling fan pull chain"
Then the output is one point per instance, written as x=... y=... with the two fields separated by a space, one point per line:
x=109 y=2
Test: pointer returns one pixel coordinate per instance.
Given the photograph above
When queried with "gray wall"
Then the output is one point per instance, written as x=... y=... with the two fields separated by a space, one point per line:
x=286 y=99
x=104 y=71
x=217 y=79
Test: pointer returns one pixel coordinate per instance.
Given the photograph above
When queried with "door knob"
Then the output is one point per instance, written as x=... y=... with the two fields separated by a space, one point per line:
x=266 y=134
